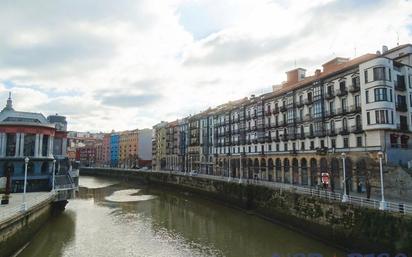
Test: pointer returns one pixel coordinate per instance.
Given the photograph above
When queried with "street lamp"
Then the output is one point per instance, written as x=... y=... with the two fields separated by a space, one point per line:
x=53 y=175
x=241 y=169
x=382 y=205
x=345 y=195
x=24 y=205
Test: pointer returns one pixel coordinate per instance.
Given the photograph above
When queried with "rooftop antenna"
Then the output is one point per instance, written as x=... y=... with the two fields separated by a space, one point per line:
x=397 y=35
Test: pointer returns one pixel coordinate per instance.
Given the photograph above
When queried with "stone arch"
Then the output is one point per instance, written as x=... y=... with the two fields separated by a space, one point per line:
x=362 y=176
x=349 y=175
x=295 y=171
x=304 y=171
x=335 y=174
x=263 y=173
x=314 y=172
x=270 y=169
x=256 y=168
x=278 y=170
x=286 y=169
x=250 y=168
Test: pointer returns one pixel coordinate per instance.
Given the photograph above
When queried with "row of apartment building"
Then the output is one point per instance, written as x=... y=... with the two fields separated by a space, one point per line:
x=127 y=149
x=298 y=132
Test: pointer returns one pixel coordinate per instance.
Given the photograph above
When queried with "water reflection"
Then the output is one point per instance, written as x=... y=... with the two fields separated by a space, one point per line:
x=172 y=224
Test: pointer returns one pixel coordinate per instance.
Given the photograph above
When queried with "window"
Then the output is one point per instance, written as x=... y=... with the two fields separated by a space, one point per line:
x=379 y=73
x=345 y=142
x=332 y=126
x=344 y=124
x=29 y=145
x=10 y=144
x=285 y=146
x=367 y=96
x=277 y=147
x=270 y=147
x=302 y=146
x=322 y=143
x=255 y=148
x=317 y=110
x=342 y=85
x=381 y=117
x=45 y=145
x=368 y=118
x=355 y=82
x=333 y=143
x=359 y=141
x=332 y=107
x=344 y=104
x=366 y=76
x=312 y=145
x=357 y=102
x=381 y=94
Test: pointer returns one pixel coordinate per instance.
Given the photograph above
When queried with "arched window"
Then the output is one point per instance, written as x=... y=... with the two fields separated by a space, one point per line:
x=358 y=121
x=344 y=123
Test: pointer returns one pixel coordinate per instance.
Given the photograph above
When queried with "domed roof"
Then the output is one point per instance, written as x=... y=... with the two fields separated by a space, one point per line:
x=9 y=115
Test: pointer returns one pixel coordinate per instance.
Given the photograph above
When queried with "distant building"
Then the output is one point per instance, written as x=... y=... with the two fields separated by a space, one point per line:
x=144 y=151
x=114 y=149
x=128 y=144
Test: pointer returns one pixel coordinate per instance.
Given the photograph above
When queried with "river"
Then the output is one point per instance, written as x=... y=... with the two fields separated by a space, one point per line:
x=113 y=218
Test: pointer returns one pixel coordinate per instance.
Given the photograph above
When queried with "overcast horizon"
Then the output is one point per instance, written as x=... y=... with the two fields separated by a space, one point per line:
x=131 y=64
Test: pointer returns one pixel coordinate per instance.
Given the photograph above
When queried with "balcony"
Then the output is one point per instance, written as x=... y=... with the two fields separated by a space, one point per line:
x=268 y=112
x=401 y=107
x=400 y=84
x=402 y=127
x=284 y=137
x=268 y=139
x=344 y=131
x=283 y=123
x=276 y=139
x=342 y=92
x=342 y=111
x=357 y=129
x=330 y=113
x=332 y=133
x=330 y=94
x=299 y=104
x=355 y=108
x=255 y=141
x=308 y=117
x=276 y=110
x=308 y=101
x=310 y=135
x=354 y=88
x=320 y=133
x=283 y=108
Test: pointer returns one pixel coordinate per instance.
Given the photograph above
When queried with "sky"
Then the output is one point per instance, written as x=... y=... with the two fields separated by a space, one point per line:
x=129 y=64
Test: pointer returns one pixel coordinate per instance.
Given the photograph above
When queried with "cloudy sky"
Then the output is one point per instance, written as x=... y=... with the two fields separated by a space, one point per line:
x=128 y=64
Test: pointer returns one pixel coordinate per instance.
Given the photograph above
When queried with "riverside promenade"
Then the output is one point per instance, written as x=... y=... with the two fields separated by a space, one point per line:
x=15 y=206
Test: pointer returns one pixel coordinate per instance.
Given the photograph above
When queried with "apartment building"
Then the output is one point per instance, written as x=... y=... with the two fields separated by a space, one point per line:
x=298 y=132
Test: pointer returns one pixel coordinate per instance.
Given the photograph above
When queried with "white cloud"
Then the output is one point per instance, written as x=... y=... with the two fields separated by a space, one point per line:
x=126 y=64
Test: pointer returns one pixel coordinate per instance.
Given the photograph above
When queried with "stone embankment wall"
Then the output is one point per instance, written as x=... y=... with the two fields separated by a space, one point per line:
x=351 y=227
x=18 y=230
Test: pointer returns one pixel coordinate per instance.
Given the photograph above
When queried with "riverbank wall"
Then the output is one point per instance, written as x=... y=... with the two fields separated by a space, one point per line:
x=19 y=229
x=354 y=228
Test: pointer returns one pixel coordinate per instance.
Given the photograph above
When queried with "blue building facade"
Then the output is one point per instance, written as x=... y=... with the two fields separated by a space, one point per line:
x=114 y=149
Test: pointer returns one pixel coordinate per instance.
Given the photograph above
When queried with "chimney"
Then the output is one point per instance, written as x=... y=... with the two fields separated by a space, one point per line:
x=295 y=75
x=317 y=72
x=330 y=65
x=384 y=49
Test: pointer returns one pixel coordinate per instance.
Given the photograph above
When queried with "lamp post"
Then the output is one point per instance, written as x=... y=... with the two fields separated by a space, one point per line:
x=229 y=171
x=382 y=204
x=191 y=164
x=345 y=195
x=24 y=205
x=54 y=174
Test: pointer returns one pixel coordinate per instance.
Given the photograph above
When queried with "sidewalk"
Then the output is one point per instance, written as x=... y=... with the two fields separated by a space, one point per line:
x=16 y=200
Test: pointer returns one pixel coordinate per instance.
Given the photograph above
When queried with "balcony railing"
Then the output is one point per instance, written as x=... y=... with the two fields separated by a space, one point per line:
x=284 y=137
x=357 y=129
x=283 y=108
x=276 y=110
x=401 y=107
x=400 y=85
x=402 y=127
x=268 y=112
x=355 y=108
x=330 y=94
x=308 y=101
x=344 y=131
x=331 y=132
x=299 y=104
x=342 y=92
x=354 y=88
